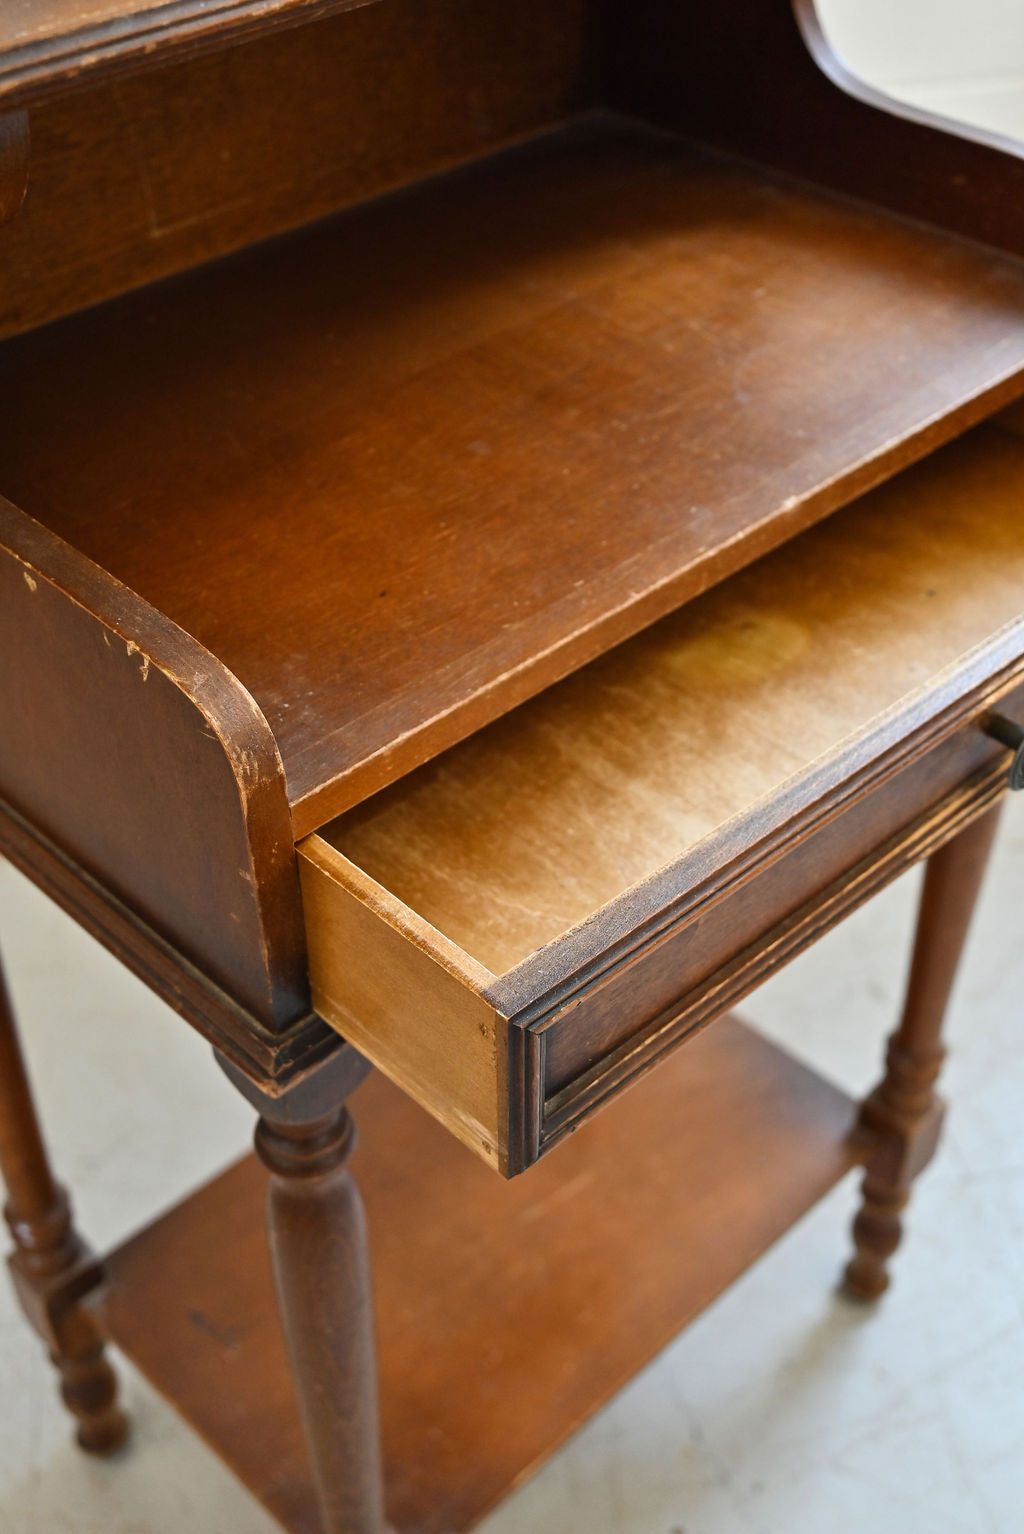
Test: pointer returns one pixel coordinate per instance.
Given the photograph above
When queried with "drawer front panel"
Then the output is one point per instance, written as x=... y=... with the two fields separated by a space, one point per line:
x=676 y=974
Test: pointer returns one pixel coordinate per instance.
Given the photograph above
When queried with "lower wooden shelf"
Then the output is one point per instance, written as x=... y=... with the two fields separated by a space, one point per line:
x=507 y=1312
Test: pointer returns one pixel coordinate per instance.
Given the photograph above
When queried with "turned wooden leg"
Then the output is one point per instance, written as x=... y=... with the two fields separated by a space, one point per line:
x=51 y=1266
x=321 y=1268
x=900 y=1121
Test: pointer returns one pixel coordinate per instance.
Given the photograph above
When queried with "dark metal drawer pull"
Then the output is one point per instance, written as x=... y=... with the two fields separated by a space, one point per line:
x=1012 y=735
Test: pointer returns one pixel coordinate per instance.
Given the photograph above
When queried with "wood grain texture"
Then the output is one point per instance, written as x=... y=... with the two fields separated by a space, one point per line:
x=754 y=701
x=595 y=1034
x=321 y=1267
x=407 y=998
x=507 y=1312
x=272 y=1057
x=14 y=147
x=50 y=45
x=140 y=756
x=614 y=862
x=484 y=430
x=164 y=170
x=758 y=77
x=589 y=1016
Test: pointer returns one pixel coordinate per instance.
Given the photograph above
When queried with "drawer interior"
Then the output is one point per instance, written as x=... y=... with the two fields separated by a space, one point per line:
x=856 y=630
x=522 y=853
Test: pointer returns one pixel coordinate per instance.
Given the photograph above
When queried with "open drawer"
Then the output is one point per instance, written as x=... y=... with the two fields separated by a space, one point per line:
x=516 y=929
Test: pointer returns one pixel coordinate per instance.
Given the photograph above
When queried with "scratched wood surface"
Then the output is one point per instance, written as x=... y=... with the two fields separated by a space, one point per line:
x=132 y=751
x=161 y=170
x=646 y=756
x=483 y=430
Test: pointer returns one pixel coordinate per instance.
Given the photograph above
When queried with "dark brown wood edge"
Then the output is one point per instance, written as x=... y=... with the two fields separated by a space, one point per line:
x=272 y=1061
x=759 y=77
x=743 y=849
x=567 y=1109
x=33 y=70
x=526 y=1077
x=199 y=707
x=14 y=147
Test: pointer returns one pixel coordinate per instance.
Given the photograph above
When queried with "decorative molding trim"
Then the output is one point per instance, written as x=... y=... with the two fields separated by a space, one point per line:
x=566 y=1109
x=273 y=1061
x=140 y=38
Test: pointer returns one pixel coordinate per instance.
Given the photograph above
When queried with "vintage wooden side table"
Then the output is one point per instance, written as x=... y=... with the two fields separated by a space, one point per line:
x=482 y=635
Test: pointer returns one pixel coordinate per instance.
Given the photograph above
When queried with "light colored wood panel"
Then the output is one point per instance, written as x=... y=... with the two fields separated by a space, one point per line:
x=406 y=998
x=525 y=830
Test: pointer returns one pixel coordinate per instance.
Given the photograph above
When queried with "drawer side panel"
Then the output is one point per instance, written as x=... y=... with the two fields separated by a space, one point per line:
x=389 y=990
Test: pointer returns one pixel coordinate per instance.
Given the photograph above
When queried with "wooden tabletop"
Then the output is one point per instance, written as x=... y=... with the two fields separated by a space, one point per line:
x=406 y=469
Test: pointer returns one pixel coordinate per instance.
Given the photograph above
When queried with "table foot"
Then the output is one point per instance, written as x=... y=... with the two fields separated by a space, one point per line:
x=88 y=1384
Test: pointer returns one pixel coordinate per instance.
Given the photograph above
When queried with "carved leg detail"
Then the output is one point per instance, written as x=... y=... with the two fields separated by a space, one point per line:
x=318 y=1247
x=51 y=1266
x=902 y=1118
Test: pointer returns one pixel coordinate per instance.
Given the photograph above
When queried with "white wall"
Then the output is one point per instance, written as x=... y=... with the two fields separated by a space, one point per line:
x=964 y=58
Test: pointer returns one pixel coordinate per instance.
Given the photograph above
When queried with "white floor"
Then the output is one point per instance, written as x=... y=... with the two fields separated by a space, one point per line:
x=782 y=1411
